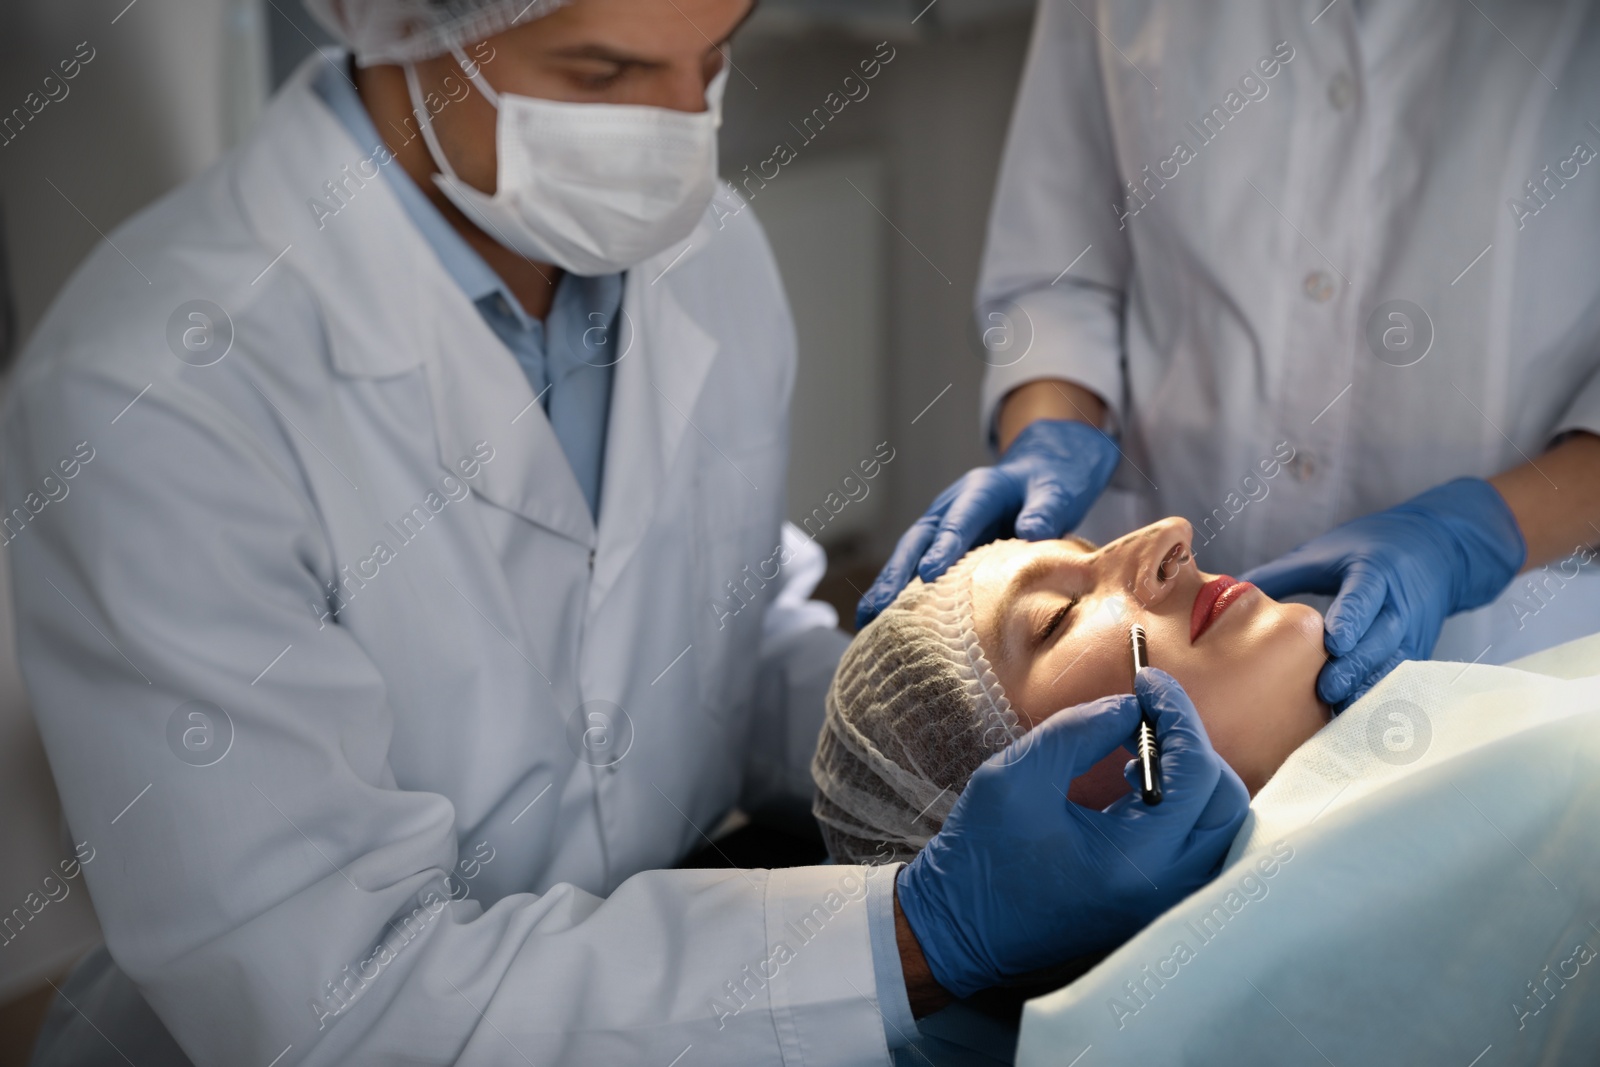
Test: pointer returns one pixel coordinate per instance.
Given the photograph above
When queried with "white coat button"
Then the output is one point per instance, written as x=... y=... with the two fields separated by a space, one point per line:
x=591 y=559
x=1341 y=91
x=1303 y=467
x=1319 y=286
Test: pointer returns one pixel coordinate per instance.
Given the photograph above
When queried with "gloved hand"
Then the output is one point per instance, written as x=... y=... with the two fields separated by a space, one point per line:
x=1021 y=878
x=1399 y=573
x=1041 y=488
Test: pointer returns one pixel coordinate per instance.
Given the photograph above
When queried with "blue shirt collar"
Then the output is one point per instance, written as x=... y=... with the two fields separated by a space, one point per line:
x=475 y=277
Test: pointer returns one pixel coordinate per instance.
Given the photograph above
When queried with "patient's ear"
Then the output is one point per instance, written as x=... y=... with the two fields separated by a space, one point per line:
x=1103 y=783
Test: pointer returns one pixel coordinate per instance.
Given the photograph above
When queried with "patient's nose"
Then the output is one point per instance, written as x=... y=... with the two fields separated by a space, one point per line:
x=1155 y=557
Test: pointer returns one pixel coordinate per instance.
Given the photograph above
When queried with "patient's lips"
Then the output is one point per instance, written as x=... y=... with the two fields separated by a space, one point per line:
x=1213 y=599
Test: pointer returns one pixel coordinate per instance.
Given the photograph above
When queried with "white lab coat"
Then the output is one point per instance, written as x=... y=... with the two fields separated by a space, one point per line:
x=1224 y=322
x=435 y=726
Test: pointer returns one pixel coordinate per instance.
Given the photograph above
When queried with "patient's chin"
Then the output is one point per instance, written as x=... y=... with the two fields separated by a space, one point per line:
x=1103 y=783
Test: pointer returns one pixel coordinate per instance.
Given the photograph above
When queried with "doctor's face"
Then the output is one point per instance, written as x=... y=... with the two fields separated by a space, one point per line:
x=655 y=53
x=1053 y=618
x=659 y=53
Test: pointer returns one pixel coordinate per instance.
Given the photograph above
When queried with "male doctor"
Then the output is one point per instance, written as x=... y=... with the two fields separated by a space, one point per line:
x=395 y=523
x=1282 y=268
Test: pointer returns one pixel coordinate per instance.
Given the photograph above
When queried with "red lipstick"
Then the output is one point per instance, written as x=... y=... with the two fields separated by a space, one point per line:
x=1213 y=599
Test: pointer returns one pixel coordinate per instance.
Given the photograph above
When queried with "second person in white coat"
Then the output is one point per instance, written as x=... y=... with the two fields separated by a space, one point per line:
x=1323 y=274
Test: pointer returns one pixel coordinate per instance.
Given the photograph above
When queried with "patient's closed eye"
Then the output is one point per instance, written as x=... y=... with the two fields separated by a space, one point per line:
x=1057 y=617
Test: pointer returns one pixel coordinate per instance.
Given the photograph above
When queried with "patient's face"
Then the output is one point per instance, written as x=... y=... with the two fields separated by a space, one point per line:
x=1053 y=618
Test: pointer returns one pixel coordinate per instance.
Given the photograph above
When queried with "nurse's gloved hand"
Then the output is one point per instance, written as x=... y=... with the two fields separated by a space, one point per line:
x=1042 y=487
x=1020 y=878
x=1398 y=575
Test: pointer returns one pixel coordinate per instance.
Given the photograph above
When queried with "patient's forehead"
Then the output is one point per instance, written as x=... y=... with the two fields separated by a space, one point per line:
x=998 y=563
x=1002 y=562
x=1002 y=574
x=991 y=568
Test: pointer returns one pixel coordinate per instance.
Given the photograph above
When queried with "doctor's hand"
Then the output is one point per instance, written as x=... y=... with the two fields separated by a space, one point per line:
x=1021 y=878
x=1042 y=487
x=1398 y=574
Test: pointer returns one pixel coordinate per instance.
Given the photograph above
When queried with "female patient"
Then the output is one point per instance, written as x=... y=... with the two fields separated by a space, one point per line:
x=958 y=668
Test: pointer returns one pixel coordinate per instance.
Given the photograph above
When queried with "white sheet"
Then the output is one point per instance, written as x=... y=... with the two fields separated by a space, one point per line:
x=1419 y=883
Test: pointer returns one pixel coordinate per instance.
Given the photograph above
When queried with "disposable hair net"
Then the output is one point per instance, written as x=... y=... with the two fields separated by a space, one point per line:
x=913 y=710
x=402 y=31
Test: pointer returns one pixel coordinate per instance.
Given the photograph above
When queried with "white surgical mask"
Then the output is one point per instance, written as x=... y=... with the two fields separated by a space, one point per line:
x=592 y=188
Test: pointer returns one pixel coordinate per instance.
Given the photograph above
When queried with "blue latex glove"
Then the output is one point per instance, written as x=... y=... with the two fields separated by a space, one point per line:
x=1042 y=487
x=1399 y=573
x=1020 y=878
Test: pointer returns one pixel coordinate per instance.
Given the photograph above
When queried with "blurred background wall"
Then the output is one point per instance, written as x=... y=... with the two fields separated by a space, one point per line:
x=877 y=223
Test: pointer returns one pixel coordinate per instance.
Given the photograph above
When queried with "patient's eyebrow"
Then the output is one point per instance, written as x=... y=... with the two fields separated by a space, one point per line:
x=1031 y=571
x=1021 y=584
x=1026 y=577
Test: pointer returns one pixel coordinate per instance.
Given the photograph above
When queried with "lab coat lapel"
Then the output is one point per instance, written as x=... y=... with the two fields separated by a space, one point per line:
x=658 y=382
x=398 y=309
x=360 y=255
x=480 y=394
